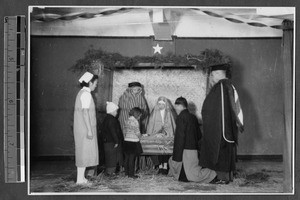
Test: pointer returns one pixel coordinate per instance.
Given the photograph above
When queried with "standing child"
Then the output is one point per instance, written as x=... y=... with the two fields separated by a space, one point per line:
x=112 y=138
x=132 y=145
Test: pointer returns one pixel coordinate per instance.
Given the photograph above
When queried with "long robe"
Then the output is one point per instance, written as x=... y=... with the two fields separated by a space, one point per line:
x=184 y=164
x=157 y=124
x=218 y=147
x=112 y=134
x=86 y=150
x=128 y=101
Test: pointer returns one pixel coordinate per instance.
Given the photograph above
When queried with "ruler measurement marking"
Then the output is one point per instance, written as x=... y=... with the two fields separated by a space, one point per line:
x=18 y=23
x=14 y=79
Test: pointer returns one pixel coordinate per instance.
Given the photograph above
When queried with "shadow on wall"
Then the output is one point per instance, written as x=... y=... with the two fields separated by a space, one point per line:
x=193 y=110
x=251 y=115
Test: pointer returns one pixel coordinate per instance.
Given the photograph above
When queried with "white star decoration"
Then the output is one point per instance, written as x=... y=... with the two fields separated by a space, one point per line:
x=157 y=49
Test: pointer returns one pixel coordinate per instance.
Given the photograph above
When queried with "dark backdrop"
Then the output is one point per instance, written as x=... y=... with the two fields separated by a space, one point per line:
x=257 y=75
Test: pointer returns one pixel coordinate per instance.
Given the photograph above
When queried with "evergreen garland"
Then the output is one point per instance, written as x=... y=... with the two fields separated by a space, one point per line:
x=206 y=58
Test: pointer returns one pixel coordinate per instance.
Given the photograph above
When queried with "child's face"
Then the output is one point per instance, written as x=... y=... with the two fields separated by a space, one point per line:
x=215 y=76
x=135 y=90
x=178 y=108
x=138 y=117
x=161 y=105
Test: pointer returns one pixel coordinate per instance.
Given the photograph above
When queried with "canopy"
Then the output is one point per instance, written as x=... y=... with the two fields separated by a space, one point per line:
x=161 y=22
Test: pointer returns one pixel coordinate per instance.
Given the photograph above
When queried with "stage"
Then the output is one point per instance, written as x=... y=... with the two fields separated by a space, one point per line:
x=256 y=176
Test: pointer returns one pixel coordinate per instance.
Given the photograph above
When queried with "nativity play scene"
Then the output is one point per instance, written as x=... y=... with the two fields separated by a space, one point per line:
x=161 y=100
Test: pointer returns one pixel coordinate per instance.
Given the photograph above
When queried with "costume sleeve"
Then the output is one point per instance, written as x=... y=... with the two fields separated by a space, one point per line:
x=145 y=115
x=212 y=128
x=173 y=122
x=137 y=129
x=199 y=136
x=179 y=139
x=86 y=99
x=113 y=126
x=230 y=92
x=121 y=101
x=151 y=123
x=144 y=107
x=228 y=114
x=235 y=107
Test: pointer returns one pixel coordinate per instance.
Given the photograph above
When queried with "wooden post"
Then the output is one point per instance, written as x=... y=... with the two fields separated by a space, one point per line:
x=287 y=53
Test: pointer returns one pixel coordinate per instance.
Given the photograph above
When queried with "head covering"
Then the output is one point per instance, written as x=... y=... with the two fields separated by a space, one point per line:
x=111 y=107
x=157 y=125
x=219 y=67
x=86 y=77
x=161 y=101
x=134 y=84
x=181 y=101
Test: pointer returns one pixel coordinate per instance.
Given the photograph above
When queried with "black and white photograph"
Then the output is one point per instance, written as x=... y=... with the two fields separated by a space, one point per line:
x=161 y=100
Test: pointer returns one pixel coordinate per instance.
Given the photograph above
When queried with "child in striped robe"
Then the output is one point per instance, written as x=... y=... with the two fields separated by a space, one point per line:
x=131 y=98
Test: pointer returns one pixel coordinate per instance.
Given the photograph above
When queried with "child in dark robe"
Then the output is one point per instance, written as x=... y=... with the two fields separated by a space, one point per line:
x=113 y=139
x=132 y=145
x=184 y=163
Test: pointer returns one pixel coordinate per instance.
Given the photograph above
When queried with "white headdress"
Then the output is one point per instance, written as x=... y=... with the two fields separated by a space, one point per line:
x=86 y=77
x=111 y=107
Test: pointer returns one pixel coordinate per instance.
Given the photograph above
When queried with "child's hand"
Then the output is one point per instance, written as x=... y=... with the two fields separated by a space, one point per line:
x=116 y=145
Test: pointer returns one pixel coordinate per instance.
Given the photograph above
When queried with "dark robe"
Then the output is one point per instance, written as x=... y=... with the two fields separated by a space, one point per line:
x=184 y=164
x=187 y=134
x=111 y=133
x=218 y=150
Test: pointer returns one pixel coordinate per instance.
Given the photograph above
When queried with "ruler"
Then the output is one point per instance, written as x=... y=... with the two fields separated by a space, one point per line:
x=14 y=95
